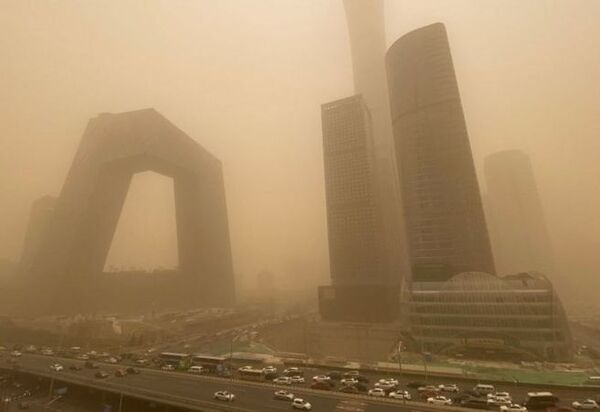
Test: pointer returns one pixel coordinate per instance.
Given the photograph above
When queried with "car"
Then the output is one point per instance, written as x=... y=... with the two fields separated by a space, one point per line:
x=378 y=392
x=282 y=380
x=451 y=387
x=321 y=378
x=484 y=389
x=120 y=373
x=293 y=371
x=224 y=396
x=473 y=403
x=297 y=379
x=334 y=375
x=56 y=367
x=513 y=407
x=389 y=380
x=245 y=368
x=83 y=357
x=350 y=374
x=197 y=369
x=588 y=404
x=30 y=349
x=284 y=395
x=439 y=400
x=428 y=388
x=349 y=381
x=132 y=371
x=299 y=403
x=387 y=385
x=326 y=386
x=504 y=395
x=349 y=389
x=401 y=395
x=167 y=367
x=415 y=385
x=47 y=352
x=269 y=369
x=142 y=361
x=101 y=375
x=16 y=354
x=74 y=367
x=498 y=401
x=91 y=365
x=111 y=359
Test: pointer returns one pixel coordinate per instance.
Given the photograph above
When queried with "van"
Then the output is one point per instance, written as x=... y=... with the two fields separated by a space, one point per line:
x=593 y=380
x=484 y=389
x=196 y=369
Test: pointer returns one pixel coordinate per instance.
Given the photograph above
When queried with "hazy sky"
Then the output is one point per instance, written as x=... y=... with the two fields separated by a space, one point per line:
x=246 y=79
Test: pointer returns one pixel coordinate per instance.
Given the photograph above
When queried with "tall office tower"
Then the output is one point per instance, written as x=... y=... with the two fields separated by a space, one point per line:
x=445 y=221
x=365 y=283
x=517 y=227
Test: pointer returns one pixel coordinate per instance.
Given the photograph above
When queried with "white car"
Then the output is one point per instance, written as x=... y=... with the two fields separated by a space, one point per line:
x=388 y=385
x=292 y=370
x=196 y=369
x=283 y=380
x=401 y=395
x=47 y=352
x=57 y=367
x=449 y=388
x=321 y=378
x=588 y=404
x=224 y=396
x=499 y=399
x=513 y=407
x=245 y=368
x=300 y=403
x=439 y=400
x=378 y=392
x=83 y=357
x=389 y=380
x=16 y=354
x=284 y=395
x=270 y=369
x=168 y=367
x=297 y=379
x=349 y=381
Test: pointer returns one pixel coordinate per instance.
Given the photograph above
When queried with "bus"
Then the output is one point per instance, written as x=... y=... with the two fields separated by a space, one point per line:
x=251 y=374
x=540 y=400
x=180 y=360
x=215 y=364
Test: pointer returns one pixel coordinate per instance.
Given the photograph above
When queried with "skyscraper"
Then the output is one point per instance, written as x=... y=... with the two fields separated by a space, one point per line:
x=517 y=226
x=444 y=216
x=363 y=279
x=367 y=246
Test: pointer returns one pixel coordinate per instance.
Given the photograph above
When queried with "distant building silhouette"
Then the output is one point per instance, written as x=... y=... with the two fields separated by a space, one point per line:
x=40 y=216
x=444 y=216
x=76 y=240
x=514 y=210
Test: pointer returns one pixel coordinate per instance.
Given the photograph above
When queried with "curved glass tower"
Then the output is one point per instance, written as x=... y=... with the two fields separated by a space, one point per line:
x=445 y=223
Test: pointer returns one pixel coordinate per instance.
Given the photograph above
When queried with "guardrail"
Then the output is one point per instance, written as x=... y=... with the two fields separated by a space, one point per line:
x=207 y=406
x=139 y=393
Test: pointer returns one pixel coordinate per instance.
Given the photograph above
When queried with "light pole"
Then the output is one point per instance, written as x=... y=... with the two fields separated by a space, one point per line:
x=121 y=402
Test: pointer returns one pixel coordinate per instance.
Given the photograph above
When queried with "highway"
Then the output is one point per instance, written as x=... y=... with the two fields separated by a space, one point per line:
x=196 y=392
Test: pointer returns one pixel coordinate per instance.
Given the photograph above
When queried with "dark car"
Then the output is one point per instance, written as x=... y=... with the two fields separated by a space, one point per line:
x=415 y=385
x=120 y=373
x=132 y=371
x=337 y=375
x=101 y=375
x=349 y=389
x=326 y=386
x=474 y=403
x=75 y=367
x=91 y=365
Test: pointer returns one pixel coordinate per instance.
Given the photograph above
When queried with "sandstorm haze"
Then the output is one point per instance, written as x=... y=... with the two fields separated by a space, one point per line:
x=246 y=79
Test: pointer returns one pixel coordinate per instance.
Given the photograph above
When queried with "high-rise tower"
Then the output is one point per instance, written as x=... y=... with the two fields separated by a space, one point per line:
x=517 y=226
x=445 y=221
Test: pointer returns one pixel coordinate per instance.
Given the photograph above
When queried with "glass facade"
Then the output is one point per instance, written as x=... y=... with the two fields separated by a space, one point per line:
x=474 y=312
